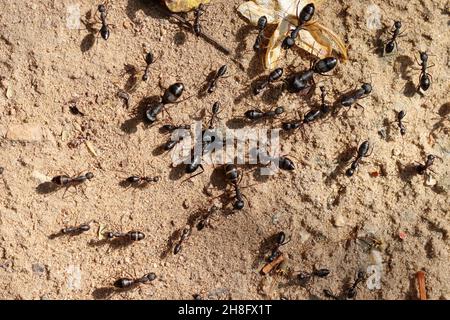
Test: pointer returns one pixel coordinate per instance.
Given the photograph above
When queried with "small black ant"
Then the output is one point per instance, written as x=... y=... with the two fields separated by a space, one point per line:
x=149 y=59
x=170 y=95
x=273 y=76
x=215 y=110
x=392 y=44
x=351 y=292
x=262 y=24
x=125 y=283
x=301 y=81
x=66 y=181
x=76 y=230
x=424 y=78
x=104 y=30
x=141 y=181
x=305 y=277
x=257 y=114
x=283 y=163
x=184 y=236
x=362 y=153
x=422 y=168
x=205 y=219
x=401 y=124
x=130 y=236
x=280 y=240
x=180 y=135
x=233 y=176
x=198 y=12
x=305 y=16
x=348 y=99
x=213 y=83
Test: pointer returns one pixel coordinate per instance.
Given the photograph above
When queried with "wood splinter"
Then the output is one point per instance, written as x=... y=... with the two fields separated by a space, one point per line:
x=272 y=265
x=421 y=285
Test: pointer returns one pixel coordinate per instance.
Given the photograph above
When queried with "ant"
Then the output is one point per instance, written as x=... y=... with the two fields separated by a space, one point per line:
x=72 y=231
x=129 y=236
x=300 y=81
x=351 y=292
x=305 y=16
x=273 y=76
x=66 y=181
x=421 y=168
x=311 y=115
x=2 y=170
x=401 y=125
x=219 y=74
x=104 y=30
x=184 y=236
x=305 y=277
x=257 y=114
x=149 y=59
x=424 y=78
x=362 y=153
x=205 y=219
x=280 y=240
x=283 y=163
x=351 y=98
x=139 y=181
x=126 y=283
x=198 y=12
x=170 y=95
x=234 y=177
x=262 y=24
x=215 y=110
x=180 y=135
x=392 y=44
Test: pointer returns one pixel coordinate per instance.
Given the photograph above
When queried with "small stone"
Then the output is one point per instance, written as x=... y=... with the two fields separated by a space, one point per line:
x=9 y=92
x=186 y=204
x=430 y=181
x=25 y=132
x=396 y=152
x=40 y=177
x=38 y=269
x=304 y=236
x=339 y=221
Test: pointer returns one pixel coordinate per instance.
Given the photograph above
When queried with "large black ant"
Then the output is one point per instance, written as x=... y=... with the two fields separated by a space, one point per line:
x=273 y=76
x=213 y=82
x=424 y=78
x=422 y=168
x=362 y=153
x=305 y=16
x=351 y=292
x=198 y=12
x=66 y=181
x=302 y=80
x=348 y=99
x=257 y=114
x=170 y=95
x=126 y=283
x=392 y=44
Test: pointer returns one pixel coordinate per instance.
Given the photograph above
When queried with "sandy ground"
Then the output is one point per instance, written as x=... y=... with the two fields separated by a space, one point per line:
x=44 y=65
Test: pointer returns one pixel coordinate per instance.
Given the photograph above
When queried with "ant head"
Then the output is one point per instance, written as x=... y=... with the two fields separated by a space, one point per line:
x=397 y=24
x=156 y=179
x=423 y=56
x=286 y=164
x=402 y=131
x=322 y=88
x=262 y=22
x=367 y=87
x=216 y=107
x=89 y=175
x=349 y=172
x=431 y=157
x=281 y=237
x=222 y=70
x=239 y=204
x=101 y=8
x=149 y=58
x=150 y=276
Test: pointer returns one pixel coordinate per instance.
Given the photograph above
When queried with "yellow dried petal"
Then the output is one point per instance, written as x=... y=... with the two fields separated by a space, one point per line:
x=184 y=5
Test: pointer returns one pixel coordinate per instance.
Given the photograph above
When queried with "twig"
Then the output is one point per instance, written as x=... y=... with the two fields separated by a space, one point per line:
x=421 y=284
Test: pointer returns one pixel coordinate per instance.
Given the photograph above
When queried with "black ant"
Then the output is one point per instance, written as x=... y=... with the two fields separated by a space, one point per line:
x=392 y=44
x=139 y=181
x=283 y=163
x=422 y=168
x=184 y=236
x=215 y=110
x=305 y=16
x=424 y=78
x=72 y=231
x=273 y=76
x=170 y=95
x=205 y=219
x=180 y=135
x=66 y=181
x=280 y=240
x=104 y=30
x=149 y=59
x=362 y=153
x=257 y=114
x=305 y=277
x=348 y=99
x=198 y=12
x=213 y=83
x=351 y=292
x=126 y=283
x=129 y=236
x=401 y=124
x=233 y=176
x=301 y=81
x=262 y=24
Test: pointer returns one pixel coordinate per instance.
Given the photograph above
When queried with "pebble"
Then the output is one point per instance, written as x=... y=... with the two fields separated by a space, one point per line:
x=38 y=269
x=304 y=236
x=339 y=221
x=25 y=132
x=40 y=177
x=396 y=152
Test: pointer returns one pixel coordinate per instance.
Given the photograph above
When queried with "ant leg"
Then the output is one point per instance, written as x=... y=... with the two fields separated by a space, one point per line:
x=191 y=177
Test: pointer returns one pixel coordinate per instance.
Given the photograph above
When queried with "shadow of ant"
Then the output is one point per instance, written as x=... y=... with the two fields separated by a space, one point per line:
x=176 y=173
x=180 y=38
x=130 y=125
x=106 y=292
x=89 y=40
x=406 y=172
x=116 y=243
x=405 y=63
x=47 y=187
x=342 y=159
x=203 y=91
